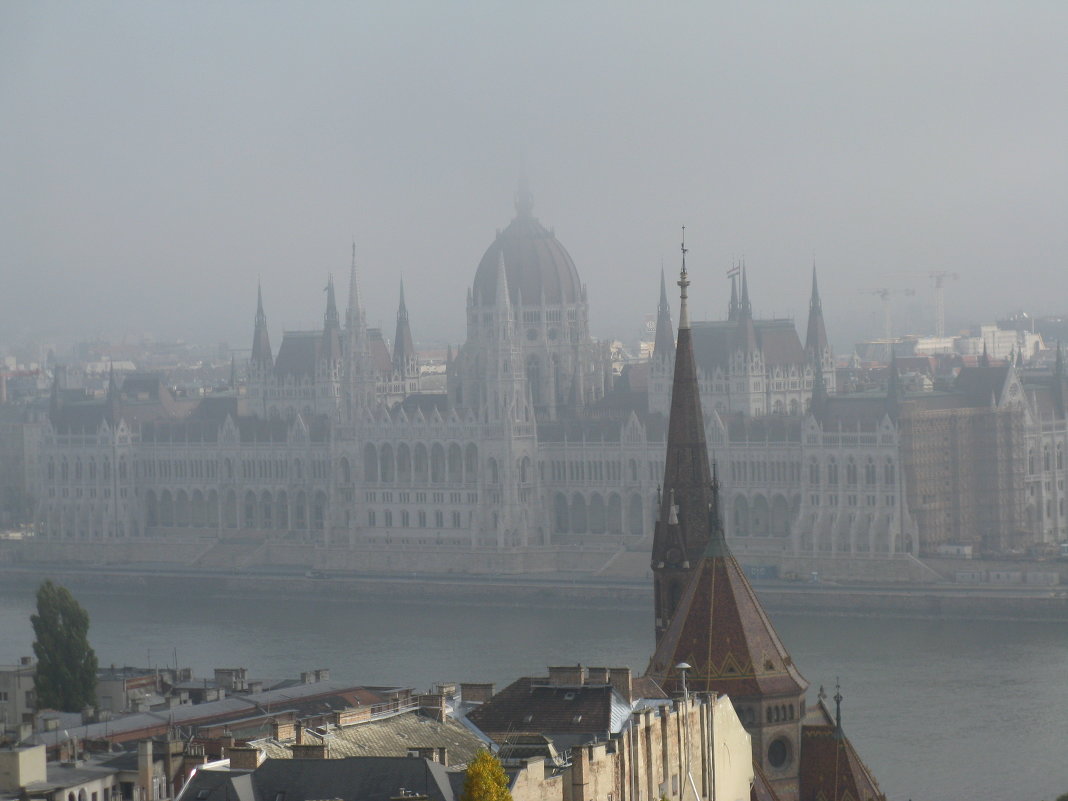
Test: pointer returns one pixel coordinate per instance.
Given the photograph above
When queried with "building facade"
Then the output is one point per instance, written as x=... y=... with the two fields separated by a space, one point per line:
x=534 y=449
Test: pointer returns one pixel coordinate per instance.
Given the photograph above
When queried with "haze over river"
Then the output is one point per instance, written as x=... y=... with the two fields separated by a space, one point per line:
x=938 y=709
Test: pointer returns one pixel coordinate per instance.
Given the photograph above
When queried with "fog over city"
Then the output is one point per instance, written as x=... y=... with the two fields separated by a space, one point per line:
x=159 y=159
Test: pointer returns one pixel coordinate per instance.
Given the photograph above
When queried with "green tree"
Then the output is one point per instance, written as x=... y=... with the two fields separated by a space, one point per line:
x=485 y=779
x=66 y=664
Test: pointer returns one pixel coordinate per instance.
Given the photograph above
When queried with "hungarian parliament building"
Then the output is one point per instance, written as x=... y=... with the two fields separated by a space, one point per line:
x=537 y=457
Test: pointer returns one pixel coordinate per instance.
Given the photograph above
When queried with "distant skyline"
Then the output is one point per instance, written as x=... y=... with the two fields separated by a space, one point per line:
x=160 y=159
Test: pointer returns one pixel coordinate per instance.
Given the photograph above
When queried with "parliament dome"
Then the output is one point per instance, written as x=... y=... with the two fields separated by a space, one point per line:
x=538 y=268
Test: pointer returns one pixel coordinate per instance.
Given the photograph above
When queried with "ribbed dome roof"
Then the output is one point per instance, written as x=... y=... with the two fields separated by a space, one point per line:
x=534 y=261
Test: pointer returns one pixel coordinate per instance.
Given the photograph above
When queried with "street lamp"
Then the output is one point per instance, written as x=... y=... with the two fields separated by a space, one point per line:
x=682 y=667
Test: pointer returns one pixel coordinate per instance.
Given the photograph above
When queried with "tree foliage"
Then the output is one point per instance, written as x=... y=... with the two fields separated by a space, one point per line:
x=485 y=779
x=66 y=664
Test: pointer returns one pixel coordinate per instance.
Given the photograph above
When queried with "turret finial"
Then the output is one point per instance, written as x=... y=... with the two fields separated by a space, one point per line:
x=837 y=709
x=684 y=282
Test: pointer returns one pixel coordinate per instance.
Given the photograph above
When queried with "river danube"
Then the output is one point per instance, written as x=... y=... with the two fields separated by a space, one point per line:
x=939 y=709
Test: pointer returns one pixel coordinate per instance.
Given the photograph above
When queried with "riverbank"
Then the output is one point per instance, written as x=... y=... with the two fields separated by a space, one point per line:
x=913 y=601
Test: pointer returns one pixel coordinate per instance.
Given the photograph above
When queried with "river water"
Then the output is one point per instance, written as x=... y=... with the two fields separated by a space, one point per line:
x=938 y=709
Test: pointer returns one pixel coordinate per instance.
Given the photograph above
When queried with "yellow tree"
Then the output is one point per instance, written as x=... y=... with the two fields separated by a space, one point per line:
x=485 y=779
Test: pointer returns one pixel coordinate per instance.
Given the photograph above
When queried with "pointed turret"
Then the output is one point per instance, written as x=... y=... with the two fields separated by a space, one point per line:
x=354 y=319
x=732 y=310
x=682 y=530
x=816 y=336
x=261 y=341
x=984 y=360
x=404 y=359
x=745 y=335
x=331 y=326
x=664 y=344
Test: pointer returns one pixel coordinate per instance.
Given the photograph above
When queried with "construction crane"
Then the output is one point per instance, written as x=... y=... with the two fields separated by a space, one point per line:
x=884 y=295
x=939 y=277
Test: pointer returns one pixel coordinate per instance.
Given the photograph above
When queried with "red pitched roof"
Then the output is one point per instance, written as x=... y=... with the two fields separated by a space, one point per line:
x=831 y=769
x=722 y=631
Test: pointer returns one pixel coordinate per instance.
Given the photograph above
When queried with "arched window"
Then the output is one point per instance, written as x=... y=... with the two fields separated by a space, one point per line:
x=437 y=463
x=385 y=460
x=888 y=472
x=832 y=472
x=455 y=464
x=470 y=462
x=814 y=473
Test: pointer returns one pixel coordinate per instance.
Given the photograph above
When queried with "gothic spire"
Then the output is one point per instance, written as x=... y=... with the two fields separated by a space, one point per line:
x=354 y=311
x=330 y=318
x=682 y=530
x=746 y=307
x=745 y=334
x=816 y=337
x=984 y=360
x=732 y=310
x=403 y=347
x=664 y=344
x=261 y=341
x=331 y=326
x=707 y=615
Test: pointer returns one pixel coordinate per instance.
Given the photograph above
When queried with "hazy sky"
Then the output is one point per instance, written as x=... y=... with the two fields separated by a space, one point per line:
x=157 y=159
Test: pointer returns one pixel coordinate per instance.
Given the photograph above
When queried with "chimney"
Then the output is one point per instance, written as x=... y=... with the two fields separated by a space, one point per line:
x=306 y=677
x=597 y=675
x=283 y=730
x=310 y=751
x=322 y=674
x=433 y=706
x=298 y=732
x=145 y=769
x=567 y=676
x=623 y=681
x=244 y=757
x=476 y=693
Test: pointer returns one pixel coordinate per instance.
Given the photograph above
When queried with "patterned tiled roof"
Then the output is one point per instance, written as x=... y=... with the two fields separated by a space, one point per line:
x=392 y=736
x=723 y=632
x=831 y=769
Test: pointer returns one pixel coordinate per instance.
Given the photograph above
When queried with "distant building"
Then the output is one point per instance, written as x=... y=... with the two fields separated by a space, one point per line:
x=536 y=457
x=17 y=698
